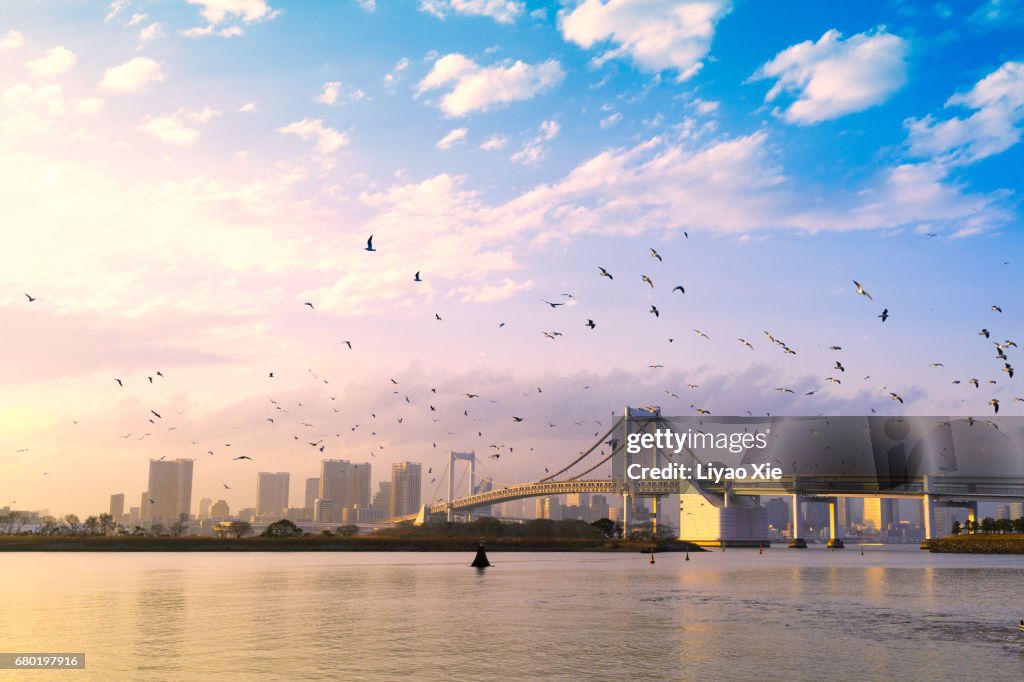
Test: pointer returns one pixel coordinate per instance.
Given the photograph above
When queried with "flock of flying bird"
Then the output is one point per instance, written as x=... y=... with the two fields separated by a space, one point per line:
x=281 y=414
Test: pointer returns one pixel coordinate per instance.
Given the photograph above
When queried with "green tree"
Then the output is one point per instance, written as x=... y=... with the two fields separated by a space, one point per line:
x=72 y=526
x=606 y=527
x=1018 y=525
x=347 y=531
x=179 y=527
x=488 y=526
x=282 y=529
x=240 y=529
x=107 y=523
x=158 y=529
x=91 y=525
x=956 y=528
x=988 y=524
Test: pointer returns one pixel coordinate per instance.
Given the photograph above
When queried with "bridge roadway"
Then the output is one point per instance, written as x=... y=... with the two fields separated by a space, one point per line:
x=936 y=487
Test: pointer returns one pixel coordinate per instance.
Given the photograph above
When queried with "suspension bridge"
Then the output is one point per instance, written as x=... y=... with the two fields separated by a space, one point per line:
x=730 y=512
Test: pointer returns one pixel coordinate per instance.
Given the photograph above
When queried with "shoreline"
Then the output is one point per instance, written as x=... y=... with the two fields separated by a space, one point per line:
x=29 y=543
x=978 y=544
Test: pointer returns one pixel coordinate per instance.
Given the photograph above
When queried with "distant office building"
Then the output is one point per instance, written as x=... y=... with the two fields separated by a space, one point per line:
x=778 y=513
x=549 y=508
x=312 y=492
x=485 y=485
x=117 y=507
x=345 y=483
x=598 y=508
x=324 y=511
x=360 y=492
x=135 y=516
x=220 y=511
x=170 y=490
x=271 y=495
x=382 y=498
x=204 y=508
x=405 y=488
x=879 y=513
x=247 y=514
x=1016 y=510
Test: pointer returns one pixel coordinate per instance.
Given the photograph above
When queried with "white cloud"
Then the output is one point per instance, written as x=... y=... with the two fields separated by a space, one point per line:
x=391 y=78
x=151 y=32
x=477 y=88
x=116 y=7
x=534 y=150
x=502 y=11
x=998 y=101
x=494 y=143
x=834 y=77
x=88 y=105
x=131 y=76
x=247 y=107
x=11 y=40
x=328 y=140
x=704 y=106
x=179 y=129
x=217 y=12
x=454 y=137
x=368 y=5
x=329 y=93
x=56 y=61
x=45 y=98
x=657 y=35
x=610 y=120
x=137 y=19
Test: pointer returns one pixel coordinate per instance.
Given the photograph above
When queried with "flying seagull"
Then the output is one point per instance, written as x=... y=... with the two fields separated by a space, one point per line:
x=590 y=323
x=553 y=305
x=310 y=305
x=647 y=279
x=679 y=288
x=884 y=314
x=348 y=343
x=605 y=273
x=416 y=277
x=242 y=457
x=861 y=291
x=655 y=254
x=654 y=311
x=746 y=343
x=30 y=298
x=997 y=309
x=369 y=244
x=119 y=383
x=896 y=397
x=995 y=404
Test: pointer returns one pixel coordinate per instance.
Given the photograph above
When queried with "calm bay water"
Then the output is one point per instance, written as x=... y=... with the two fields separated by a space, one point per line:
x=790 y=614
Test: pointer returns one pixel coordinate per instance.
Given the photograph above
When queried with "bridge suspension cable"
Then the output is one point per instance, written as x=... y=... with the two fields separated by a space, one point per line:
x=593 y=447
x=618 y=447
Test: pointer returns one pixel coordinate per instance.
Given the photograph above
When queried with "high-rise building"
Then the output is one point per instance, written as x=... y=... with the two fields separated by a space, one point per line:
x=271 y=495
x=382 y=498
x=879 y=513
x=549 y=508
x=204 y=507
x=598 y=508
x=778 y=513
x=359 y=486
x=324 y=511
x=170 y=490
x=312 y=492
x=345 y=483
x=405 y=488
x=117 y=507
x=220 y=511
x=485 y=485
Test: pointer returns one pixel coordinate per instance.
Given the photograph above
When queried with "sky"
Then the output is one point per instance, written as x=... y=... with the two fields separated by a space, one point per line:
x=179 y=178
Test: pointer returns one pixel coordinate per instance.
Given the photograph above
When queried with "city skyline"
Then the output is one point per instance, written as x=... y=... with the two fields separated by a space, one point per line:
x=181 y=183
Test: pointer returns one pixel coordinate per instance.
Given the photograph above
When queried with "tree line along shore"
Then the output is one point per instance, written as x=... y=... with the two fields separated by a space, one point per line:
x=539 y=535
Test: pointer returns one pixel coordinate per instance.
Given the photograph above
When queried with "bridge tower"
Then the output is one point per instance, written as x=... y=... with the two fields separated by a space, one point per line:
x=453 y=458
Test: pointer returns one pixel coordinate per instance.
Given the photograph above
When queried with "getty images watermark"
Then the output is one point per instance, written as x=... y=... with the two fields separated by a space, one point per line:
x=666 y=440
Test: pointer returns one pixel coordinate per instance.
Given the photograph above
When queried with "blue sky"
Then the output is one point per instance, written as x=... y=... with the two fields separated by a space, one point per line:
x=183 y=175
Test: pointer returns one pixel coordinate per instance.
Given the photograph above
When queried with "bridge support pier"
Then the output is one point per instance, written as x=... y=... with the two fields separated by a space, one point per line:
x=627 y=514
x=834 y=541
x=796 y=542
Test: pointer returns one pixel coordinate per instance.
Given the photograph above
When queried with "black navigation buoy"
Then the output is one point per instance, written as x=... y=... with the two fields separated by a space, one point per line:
x=687 y=553
x=480 y=561
x=652 y=555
